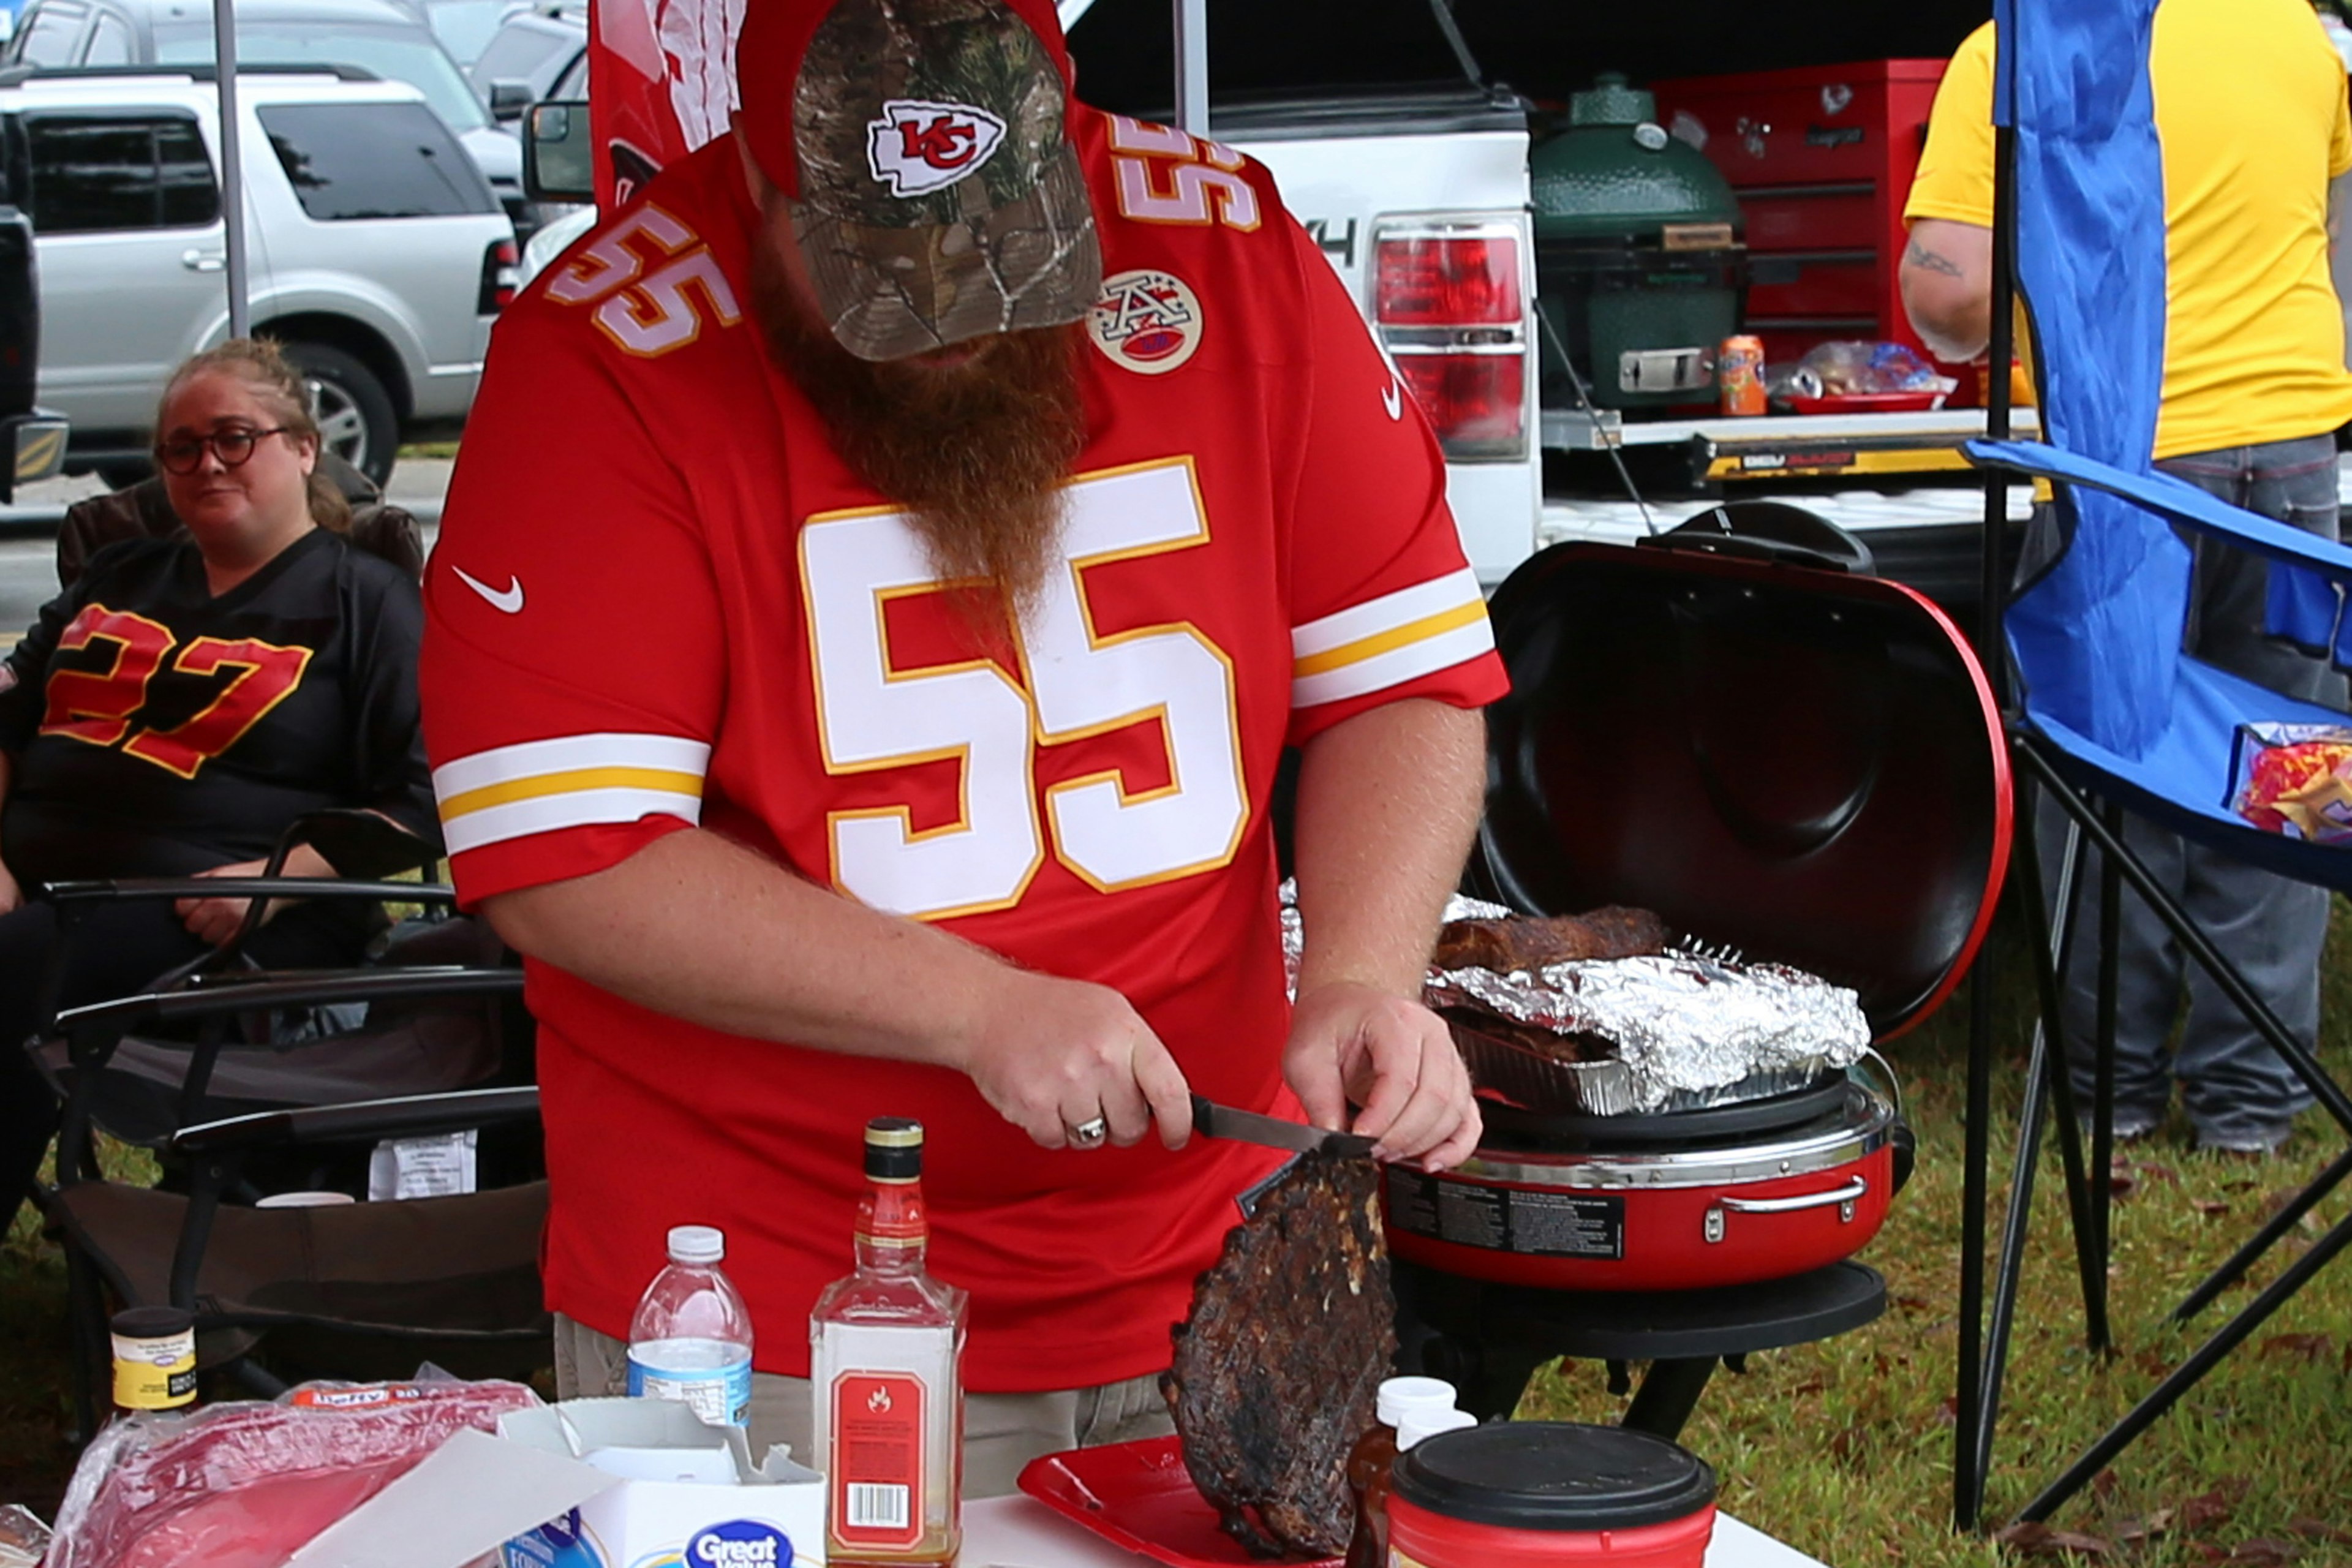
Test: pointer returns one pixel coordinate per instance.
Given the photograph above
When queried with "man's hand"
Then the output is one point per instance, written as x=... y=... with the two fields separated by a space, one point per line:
x=216 y=920
x=1393 y=1056
x=1051 y=1055
x=12 y=896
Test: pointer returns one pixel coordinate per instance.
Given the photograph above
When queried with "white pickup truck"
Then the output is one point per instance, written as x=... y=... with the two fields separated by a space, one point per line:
x=1393 y=121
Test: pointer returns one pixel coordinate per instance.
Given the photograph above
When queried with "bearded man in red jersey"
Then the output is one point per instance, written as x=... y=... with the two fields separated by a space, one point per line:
x=888 y=561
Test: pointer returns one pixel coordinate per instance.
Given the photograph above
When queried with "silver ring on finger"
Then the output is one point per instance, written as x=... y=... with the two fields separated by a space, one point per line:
x=1089 y=1133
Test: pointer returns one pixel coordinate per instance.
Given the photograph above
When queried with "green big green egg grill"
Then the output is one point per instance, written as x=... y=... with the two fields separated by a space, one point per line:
x=1638 y=259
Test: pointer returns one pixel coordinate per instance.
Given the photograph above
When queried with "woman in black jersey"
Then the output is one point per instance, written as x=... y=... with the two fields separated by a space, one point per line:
x=188 y=698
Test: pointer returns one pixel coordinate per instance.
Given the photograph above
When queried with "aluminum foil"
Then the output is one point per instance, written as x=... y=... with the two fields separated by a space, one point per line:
x=1690 y=1030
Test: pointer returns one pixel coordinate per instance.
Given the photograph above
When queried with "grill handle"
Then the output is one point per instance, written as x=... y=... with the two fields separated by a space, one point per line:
x=1844 y=1194
x=1844 y=1197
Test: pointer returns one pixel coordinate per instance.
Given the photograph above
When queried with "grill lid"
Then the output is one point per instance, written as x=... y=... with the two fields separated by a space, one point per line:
x=1616 y=174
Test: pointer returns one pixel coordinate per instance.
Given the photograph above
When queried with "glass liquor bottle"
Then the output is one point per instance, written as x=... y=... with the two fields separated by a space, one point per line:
x=887 y=1344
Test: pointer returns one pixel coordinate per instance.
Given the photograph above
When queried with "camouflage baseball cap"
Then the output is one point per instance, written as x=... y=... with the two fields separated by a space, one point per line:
x=922 y=148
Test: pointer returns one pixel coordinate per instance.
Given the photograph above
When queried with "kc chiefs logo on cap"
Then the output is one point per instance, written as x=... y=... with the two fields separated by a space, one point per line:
x=919 y=147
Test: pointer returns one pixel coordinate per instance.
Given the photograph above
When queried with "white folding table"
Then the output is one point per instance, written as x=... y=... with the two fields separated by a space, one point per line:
x=1021 y=1533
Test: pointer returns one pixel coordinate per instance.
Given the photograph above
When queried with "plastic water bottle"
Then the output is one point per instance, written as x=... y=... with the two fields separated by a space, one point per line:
x=691 y=1338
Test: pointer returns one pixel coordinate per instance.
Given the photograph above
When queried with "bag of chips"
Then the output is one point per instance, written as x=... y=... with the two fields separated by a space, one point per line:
x=2295 y=779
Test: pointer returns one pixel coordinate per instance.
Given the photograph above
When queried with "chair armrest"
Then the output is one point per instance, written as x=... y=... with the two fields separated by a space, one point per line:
x=2174 y=500
x=411 y=1116
x=128 y=887
x=213 y=984
x=124 y=1014
x=357 y=843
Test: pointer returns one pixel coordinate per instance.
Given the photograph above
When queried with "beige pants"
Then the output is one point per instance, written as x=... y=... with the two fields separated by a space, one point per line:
x=1001 y=1432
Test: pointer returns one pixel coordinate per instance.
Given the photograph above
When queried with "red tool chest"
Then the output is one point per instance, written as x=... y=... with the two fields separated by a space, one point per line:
x=1822 y=158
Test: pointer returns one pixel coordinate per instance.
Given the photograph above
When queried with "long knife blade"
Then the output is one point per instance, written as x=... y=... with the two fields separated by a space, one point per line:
x=1248 y=1126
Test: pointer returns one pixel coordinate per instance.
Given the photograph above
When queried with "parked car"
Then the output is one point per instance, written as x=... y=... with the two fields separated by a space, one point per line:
x=538 y=51
x=376 y=252
x=464 y=27
x=382 y=37
x=32 y=438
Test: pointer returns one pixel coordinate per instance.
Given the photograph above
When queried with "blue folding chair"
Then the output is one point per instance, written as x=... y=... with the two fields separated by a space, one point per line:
x=2112 y=717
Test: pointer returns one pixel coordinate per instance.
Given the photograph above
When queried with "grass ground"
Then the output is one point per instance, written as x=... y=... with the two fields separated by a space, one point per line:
x=1844 y=1448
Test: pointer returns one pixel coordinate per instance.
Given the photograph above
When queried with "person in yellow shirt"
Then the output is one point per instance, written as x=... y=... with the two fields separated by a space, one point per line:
x=2251 y=120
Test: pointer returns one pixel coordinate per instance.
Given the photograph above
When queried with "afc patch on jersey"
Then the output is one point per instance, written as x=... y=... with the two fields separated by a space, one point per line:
x=1146 y=320
x=919 y=147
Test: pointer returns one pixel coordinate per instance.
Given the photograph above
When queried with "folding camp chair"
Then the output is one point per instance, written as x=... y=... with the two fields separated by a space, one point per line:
x=141 y=1087
x=143 y=510
x=2115 y=717
x=354 y=1290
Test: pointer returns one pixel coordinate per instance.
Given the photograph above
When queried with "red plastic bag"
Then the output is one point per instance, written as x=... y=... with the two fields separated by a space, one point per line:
x=247 y=1485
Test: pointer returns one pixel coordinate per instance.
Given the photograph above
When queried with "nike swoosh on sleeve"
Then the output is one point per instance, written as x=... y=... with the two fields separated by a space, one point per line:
x=1393 y=398
x=506 y=600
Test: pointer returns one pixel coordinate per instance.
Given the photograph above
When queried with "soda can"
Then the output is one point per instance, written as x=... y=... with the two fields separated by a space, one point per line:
x=1739 y=374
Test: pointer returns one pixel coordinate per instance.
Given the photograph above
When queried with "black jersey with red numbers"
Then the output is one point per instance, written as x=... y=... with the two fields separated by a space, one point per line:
x=154 y=729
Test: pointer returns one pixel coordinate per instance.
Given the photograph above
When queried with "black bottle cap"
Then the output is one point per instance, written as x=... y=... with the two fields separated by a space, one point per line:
x=894 y=1149
x=1553 y=1475
x=152 y=1322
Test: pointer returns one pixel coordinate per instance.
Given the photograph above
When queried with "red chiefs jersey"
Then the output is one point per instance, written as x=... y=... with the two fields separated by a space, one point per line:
x=659 y=598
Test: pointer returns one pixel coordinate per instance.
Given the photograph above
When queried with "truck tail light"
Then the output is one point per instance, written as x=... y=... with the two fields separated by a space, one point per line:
x=1478 y=403
x=1435 y=282
x=1451 y=303
x=500 y=264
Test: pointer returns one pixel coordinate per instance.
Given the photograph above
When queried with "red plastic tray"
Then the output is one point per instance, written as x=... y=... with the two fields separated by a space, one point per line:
x=1138 y=1496
x=1869 y=403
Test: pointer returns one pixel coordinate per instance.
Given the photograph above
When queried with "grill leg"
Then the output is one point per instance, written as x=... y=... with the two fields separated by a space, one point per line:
x=1668 y=1394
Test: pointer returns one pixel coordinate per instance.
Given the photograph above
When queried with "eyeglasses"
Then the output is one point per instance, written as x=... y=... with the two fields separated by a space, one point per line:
x=185 y=454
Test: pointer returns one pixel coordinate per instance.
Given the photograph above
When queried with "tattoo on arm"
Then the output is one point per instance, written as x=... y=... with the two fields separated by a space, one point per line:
x=1931 y=261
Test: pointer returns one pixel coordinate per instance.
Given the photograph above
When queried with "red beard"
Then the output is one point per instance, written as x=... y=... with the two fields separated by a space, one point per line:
x=976 y=451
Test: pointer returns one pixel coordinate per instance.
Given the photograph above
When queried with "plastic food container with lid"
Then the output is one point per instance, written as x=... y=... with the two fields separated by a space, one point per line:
x=1536 y=1494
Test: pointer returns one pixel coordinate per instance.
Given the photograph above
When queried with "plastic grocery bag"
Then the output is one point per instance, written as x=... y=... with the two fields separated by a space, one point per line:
x=248 y=1484
x=24 y=1538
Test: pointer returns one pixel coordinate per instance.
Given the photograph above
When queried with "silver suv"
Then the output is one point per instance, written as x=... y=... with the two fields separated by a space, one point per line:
x=375 y=249
x=387 y=38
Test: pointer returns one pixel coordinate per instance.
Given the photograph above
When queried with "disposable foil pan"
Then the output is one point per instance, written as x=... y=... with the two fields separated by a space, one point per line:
x=1688 y=1029
x=1537 y=1081
x=1683 y=1031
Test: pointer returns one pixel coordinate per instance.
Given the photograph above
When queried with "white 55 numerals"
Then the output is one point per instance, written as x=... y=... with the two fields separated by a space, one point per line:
x=1080 y=683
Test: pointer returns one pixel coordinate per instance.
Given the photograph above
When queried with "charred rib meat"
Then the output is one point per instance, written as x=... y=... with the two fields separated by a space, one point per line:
x=1504 y=945
x=1275 y=1372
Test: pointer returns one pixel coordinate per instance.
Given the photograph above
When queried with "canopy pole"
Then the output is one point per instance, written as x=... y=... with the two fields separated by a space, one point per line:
x=1192 y=19
x=240 y=322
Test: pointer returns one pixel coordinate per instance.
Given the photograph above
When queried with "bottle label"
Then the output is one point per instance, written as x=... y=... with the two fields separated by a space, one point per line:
x=156 y=1375
x=877 y=1451
x=721 y=1396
